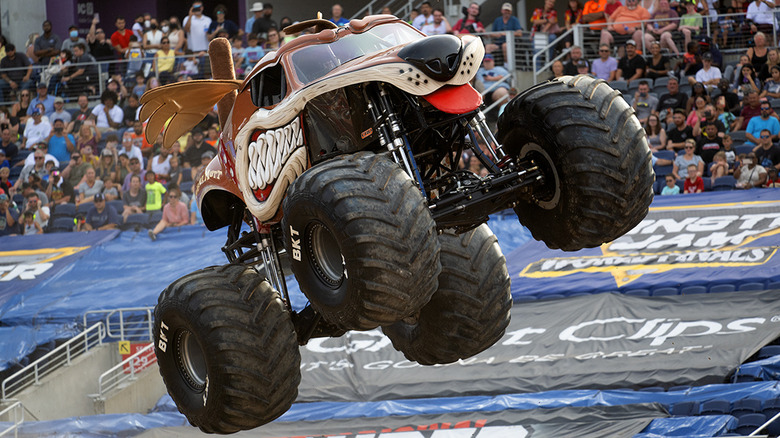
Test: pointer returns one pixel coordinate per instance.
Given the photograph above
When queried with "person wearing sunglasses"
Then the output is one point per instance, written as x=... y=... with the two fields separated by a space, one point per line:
x=767 y=153
x=765 y=121
x=175 y=214
x=681 y=163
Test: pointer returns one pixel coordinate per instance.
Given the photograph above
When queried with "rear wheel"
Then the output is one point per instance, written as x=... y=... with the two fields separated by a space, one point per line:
x=471 y=309
x=362 y=243
x=226 y=349
x=594 y=155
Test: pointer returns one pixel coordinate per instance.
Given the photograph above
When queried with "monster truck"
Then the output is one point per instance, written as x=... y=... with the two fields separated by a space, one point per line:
x=338 y=162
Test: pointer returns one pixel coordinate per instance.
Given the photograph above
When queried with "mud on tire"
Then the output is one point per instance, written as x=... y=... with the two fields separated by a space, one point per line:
x=363 y=244
x=595 y=156
x=227 y=349
x=471 y=309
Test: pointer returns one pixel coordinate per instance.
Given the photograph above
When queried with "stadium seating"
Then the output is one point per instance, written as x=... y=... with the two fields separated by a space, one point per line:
x=768 y=351
x=746 y=406
x=620 y=85
x=717 y=288
x=738 y=136
x=693 y=290
x=749 y=423
x=715 y=407
x=743 y=149
x=117 y=204
x=136 y=221
x=685 y=409
x=751 y=286
x=84 y=207
x=64 y=210
x=724 y=183
x=661 y=82
x=61 y=225
x=665 y=291
x=638 y=292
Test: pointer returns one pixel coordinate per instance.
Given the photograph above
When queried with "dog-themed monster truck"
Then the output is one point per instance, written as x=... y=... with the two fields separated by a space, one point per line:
x=338 y=162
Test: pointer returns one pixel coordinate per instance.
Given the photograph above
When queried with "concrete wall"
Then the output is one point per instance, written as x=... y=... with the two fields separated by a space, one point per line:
x=139 y=396
x=18 y=19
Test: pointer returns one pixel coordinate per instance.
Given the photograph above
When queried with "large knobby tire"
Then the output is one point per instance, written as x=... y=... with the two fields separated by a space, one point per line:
x=594 y=155
x=471 y=309
x=362 y=243
x=227 y=349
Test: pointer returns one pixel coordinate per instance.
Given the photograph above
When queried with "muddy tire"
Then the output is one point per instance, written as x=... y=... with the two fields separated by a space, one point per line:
x=471 y=309
x=226 y=349
x=362 y=243
x=594 y=155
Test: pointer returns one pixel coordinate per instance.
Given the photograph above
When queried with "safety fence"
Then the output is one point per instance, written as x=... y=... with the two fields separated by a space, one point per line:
x=55 y=359
x=15 y=413
x=127 y=324
x=125 y=372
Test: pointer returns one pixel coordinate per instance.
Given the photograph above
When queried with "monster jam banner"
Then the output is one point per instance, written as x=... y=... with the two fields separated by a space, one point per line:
x=597 y=421
x=595 y=341
x=719 y=237
x=25 y=261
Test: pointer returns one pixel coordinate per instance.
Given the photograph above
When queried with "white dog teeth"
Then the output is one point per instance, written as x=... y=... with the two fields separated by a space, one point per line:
x=269 y=153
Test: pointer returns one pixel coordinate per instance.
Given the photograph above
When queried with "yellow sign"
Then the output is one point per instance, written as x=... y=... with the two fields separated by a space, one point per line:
x=124 y=347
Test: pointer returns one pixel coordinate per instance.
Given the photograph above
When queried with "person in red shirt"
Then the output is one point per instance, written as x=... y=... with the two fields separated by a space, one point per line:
x=120 y=39
x=694 y=183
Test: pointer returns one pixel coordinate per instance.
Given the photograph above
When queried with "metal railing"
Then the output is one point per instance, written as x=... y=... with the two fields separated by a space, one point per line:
x=589 y=40
x=127 y=324
x=17 y=411
x=125 y=371
x=60 y=356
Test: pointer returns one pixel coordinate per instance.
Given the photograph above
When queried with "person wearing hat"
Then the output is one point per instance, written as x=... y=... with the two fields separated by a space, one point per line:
x=691 y=22
x=100 y=216
x=625 y=20
x=73 y=39
x=9 y=216
x=59 y=112
x=42 y=97
x=489 y=74
x=709 y=75
x=36 y=130
x=257 y=12
x=504 y=22
x=17 y=78
x=38 y=167
x=43 y=148
x=631 y=66
x=583 y=67
x=194 y=152
x=262 y=25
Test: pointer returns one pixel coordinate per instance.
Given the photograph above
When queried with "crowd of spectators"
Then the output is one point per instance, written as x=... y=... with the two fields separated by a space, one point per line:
x=96 y=157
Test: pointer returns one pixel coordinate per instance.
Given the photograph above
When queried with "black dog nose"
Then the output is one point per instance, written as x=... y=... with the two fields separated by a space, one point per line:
x=437 y=56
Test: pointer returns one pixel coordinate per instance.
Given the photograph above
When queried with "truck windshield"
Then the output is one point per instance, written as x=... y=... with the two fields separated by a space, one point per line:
x=314 y=62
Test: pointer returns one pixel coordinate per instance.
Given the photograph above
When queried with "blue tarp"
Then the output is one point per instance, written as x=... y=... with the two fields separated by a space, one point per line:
x=706 y=239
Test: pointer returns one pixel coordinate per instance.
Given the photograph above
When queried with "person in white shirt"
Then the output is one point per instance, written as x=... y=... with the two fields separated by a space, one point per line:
x=36 y=131
x=196 y=25
x=107 y=115
x=760 y=14
x=709 y=75
x=425 y=17
x=439 y=26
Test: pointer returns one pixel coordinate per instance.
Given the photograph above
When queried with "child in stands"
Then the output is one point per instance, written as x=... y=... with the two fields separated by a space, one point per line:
x=694 y=183
x=671 y=186
x=720 y=167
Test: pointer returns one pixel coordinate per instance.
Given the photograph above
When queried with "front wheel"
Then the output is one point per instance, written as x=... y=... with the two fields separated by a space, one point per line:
x=471 y=309
x=593 y=154
x=362 y=243
x=226 y=349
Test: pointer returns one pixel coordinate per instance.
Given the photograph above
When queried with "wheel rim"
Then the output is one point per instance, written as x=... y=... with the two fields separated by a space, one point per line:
x=325 y=255
x=548 y=196
x=192 y=361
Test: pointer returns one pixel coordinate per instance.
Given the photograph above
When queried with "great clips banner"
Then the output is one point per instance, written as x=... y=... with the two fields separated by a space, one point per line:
x=712 y=238
x=25 y=261
x=593 y=341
